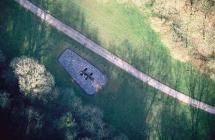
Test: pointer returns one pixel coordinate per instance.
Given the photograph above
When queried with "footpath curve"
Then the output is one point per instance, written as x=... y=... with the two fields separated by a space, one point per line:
x=113 y=58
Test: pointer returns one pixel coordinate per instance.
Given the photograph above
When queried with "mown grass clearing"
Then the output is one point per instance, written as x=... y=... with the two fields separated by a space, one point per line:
x=123 y=30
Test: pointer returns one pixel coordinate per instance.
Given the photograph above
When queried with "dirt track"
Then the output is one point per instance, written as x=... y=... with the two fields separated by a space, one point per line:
x=114 y=59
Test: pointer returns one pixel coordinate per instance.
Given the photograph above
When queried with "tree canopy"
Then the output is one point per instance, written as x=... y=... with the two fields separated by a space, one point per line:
x=32 y=77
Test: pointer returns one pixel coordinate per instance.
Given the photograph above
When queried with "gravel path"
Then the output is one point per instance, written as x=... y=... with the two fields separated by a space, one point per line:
x=114 y=59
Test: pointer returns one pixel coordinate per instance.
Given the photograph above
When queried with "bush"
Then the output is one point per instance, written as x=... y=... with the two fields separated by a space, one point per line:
x=32 y=76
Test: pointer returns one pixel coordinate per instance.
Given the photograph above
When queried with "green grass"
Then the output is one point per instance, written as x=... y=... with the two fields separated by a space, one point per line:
x=123 y=30
x=129 y=105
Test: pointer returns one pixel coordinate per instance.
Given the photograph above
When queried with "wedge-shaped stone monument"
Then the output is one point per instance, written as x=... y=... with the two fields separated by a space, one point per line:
x=89 y=78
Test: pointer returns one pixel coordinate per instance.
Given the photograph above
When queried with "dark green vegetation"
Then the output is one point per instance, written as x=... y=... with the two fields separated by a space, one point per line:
x=41 y=111
x=129 y=105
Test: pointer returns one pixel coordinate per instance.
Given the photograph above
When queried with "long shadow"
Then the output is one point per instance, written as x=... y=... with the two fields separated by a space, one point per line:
x=128 y=104
x=190 y=124
x=21 y=33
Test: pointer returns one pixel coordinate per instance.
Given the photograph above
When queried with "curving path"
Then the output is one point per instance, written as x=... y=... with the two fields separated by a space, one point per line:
x=114 y=59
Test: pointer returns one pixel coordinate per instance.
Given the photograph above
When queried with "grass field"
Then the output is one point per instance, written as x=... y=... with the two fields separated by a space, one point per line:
x=123 y=30
x=128 y=104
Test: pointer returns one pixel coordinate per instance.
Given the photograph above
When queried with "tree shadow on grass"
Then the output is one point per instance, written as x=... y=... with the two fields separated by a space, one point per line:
x=172 y=121
x=22 y=33
x=178 y=124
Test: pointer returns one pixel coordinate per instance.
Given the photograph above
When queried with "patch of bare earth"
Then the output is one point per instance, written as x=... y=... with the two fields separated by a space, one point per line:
x=165 y=33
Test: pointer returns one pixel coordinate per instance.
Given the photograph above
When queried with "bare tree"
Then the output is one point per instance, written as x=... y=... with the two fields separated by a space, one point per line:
x=2 y=57
x=4 y=100
x=34 y=123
